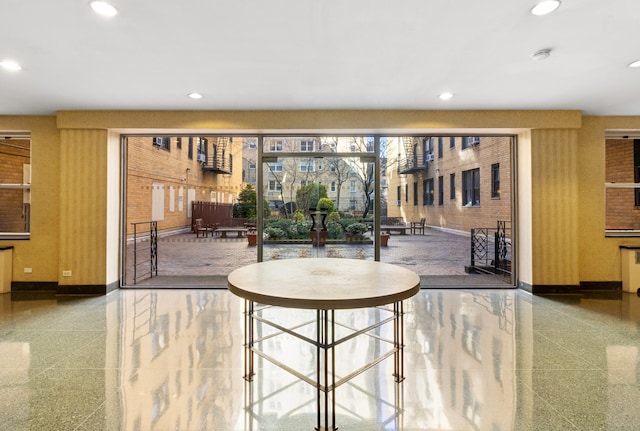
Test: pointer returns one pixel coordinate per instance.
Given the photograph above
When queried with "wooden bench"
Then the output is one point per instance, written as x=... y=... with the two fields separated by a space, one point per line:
x=240 y=231
x=402 y=229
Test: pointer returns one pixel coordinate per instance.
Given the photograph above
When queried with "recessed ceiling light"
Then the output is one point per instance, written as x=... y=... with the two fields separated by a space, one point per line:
x=446 y=96
x=103 y=8
x=10 y=65
x=545 y=7
x=543 y=54
x=196 y=95
x=635 y=64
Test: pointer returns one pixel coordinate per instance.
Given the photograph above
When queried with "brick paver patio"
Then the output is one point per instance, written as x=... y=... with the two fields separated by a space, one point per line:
x=438 y=257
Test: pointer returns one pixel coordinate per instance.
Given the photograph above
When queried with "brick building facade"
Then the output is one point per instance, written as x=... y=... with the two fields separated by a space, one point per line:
x=165 y=174
x=457 y=183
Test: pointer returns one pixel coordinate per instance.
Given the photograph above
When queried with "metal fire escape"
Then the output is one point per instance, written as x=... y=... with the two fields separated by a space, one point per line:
x=413 y=160
x=218 y=157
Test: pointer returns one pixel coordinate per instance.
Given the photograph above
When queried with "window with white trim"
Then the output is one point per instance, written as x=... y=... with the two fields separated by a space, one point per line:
x=308 y=166
x=274 y=186
x=275 y=166
x=306 y=146
x=275 y=146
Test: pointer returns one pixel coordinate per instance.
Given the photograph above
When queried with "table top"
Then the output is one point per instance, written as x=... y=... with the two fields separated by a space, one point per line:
x=323 y=283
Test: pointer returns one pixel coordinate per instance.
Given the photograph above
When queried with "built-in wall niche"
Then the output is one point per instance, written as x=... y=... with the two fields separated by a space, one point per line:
x=622 y=185
x=15 y=184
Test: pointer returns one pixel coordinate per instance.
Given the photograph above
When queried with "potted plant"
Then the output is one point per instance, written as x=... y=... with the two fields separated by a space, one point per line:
x=252 y=237
x=384 y=239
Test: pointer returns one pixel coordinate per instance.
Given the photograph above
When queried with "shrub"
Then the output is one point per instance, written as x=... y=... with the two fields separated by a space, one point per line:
x=326 y=204
x=299 y=230
x=356 y=228
x=298 y=216
x=333 y=217
x=335 y=230
x=274 y=232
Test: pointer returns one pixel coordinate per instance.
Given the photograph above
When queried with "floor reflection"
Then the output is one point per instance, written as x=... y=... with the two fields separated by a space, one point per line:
x=173 y=360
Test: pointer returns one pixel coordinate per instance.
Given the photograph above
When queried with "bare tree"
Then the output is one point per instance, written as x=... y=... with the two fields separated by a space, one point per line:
x=340 y=170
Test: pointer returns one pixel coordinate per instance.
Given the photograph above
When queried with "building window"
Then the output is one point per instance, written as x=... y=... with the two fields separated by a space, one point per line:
x=452 y=186
x=275 y=146
x=440 y=147
x=274 y=186
x=332 y=186
x=306 y=146
x=415 y=193
x=162 y=142
x=275 y=166
x=352 y=186
x=470 y=141
x=179 y=143
x=190 y=147
x=452 y=142
x=471 y=187
x=15 y=185
x=202 y=150
x=406 y=192
x=427 y=197
x=495 y=181
x=353 y=204
x=308 y=166
x=440 y=191
x=398 y=196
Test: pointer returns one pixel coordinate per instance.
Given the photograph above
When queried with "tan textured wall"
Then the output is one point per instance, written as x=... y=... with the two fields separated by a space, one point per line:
x=554 y=168
x=83 y=207
x=69 y=213
x=372 y=121
x=40 y=253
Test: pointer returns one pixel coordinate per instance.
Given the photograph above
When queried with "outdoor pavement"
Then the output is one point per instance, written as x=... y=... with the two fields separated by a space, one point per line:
x=438 y=257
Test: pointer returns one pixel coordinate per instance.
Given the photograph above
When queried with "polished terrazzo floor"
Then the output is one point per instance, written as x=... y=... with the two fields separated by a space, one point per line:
x=494 y=360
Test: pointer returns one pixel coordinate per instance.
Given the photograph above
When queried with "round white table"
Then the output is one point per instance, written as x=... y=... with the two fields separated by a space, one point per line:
x=325 y=285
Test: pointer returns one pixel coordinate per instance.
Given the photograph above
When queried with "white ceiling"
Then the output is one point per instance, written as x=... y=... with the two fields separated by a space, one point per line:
x=320 y=54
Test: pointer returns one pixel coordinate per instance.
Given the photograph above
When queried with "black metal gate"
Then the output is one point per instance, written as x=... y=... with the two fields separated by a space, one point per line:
x=491 y=248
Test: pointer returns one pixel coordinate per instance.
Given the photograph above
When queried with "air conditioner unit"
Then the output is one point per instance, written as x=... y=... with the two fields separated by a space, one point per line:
x=398 y=202
x=475 y=140
x=429 y=157
x=202 y=158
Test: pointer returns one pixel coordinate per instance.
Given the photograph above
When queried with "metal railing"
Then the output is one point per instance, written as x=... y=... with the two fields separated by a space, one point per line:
x=491 y=248
x=139 y=257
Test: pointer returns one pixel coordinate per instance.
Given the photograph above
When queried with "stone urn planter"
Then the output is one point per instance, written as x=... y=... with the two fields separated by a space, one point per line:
x=384 y=239
x=252 y=238
x=319 y=237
